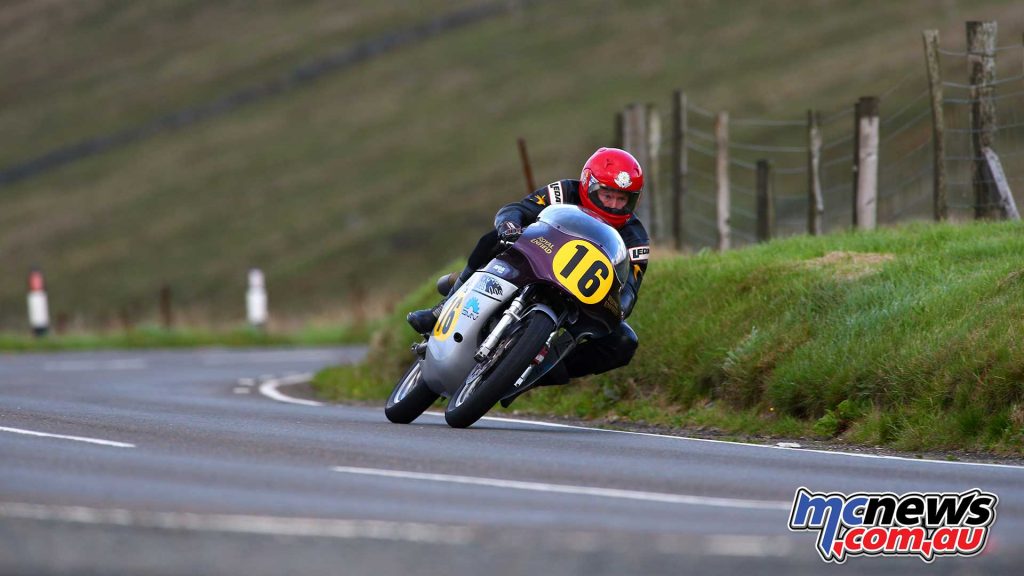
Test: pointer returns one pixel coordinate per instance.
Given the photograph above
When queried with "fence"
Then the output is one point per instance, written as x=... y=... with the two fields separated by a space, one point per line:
x=945 y=142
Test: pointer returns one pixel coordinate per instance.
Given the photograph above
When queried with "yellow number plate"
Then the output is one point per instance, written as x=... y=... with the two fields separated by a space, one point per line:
x=449 y=317
x=584 y=271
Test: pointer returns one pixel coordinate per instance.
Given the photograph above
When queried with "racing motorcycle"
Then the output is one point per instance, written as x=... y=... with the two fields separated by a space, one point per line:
x=516 y=318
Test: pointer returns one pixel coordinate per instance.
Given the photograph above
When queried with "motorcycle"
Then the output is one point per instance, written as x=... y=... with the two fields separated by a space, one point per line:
x=516 y=318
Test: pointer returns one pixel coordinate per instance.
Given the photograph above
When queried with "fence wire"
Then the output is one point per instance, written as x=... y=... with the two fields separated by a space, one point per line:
x=906 y=163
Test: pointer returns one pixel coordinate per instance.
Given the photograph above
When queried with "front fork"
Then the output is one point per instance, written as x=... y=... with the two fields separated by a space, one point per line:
x=512 y=314
x=537 y=359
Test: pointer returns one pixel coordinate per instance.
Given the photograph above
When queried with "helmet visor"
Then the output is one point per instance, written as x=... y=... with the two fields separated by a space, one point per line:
x=611 y=200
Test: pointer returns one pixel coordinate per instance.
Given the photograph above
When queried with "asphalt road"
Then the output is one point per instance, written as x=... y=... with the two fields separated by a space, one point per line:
x=203 y=462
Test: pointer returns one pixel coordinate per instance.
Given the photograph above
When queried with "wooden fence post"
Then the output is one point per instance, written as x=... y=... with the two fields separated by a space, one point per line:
x=765 y=203
x=815 y=200
x=981 y=65
x=995 y=169
x=931 y=51
x=634 y=141
x=62 y=323
x=856 y=159
x=527 y=169
x=865 y=212
x=651 y=172
x=680 y=166
x=166 y=307
x=722 y=178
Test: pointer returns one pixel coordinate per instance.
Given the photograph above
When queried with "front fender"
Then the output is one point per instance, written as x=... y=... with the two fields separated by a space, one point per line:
x=539 y=307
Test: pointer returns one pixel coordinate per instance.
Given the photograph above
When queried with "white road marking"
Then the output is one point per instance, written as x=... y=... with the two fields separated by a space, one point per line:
x=443 y=534
x=687 y=438
x=63 y=437
x=95 y=365
x=241 y=390
x=575 y=490
x=747 y=546
x=281 y=397
x=269 y=389
x=347 y=529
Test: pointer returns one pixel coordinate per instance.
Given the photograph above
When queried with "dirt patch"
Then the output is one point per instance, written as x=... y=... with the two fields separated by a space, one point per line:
x=849 y=265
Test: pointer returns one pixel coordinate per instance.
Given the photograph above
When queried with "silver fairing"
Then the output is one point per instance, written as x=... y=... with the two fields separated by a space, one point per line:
x=451 y=346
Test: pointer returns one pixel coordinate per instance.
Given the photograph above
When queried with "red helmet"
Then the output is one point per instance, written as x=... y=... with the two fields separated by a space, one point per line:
x=611 y=170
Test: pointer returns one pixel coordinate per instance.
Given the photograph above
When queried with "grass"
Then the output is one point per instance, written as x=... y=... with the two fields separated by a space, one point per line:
x=908 y=337
x=158 y=337
x=348 y=192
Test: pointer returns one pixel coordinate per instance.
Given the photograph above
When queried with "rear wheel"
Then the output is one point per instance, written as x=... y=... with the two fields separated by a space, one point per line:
x=494 y=377
x=410 y=397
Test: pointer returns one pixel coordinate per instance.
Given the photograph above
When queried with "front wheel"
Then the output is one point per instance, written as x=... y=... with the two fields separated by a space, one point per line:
x=410 y=397
x=491 y=379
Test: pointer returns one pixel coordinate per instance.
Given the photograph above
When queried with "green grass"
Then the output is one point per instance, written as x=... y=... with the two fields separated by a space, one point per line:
x=157 y=337
x=911 y=337
x=349 y=191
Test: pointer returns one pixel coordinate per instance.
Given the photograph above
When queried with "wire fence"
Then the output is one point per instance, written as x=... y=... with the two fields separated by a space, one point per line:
x=906 y=152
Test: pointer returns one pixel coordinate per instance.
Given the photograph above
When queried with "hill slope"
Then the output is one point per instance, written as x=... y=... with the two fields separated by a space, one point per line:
x=349 y=191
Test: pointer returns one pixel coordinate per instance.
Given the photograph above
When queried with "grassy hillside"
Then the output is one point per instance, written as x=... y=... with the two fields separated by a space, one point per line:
x=349 y=191
x=911 y=337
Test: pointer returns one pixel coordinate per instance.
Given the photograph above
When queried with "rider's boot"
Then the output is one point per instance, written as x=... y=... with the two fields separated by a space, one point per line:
x=422 y=321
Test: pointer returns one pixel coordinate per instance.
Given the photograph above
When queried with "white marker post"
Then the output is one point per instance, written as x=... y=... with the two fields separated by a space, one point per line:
x=256 y=299
x=38 y=306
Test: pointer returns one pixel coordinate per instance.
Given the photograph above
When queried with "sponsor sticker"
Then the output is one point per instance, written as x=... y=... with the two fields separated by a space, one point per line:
x=545 y=244
x=926 y=525
x=639 y=253
x=555 y=193
x=472 y=309
x=492 y=287
x=489 y=287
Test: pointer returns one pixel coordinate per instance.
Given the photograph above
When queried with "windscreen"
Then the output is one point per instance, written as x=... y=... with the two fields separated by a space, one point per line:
x=575 y=221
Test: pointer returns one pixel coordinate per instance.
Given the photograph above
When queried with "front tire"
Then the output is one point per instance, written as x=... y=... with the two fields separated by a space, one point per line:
x=410 y=397
x=491 y=379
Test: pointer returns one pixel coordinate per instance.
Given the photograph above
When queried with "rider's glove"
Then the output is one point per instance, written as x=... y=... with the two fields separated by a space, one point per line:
x=509 y=231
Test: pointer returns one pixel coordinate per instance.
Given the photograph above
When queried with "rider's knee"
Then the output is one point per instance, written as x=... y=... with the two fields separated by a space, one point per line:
x=627 y=344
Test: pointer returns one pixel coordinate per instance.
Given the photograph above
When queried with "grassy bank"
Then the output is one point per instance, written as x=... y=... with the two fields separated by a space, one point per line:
x=910 y=337
x=157 y=337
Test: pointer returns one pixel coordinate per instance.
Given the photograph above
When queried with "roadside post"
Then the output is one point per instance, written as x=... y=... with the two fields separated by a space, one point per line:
x=256 y=300
x=38 y=306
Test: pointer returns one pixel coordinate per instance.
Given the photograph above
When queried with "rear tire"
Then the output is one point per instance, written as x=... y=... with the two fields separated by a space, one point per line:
x=490 y=380
x=410 y=397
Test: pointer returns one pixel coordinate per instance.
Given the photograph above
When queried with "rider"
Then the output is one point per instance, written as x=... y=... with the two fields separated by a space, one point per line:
x=609 y=188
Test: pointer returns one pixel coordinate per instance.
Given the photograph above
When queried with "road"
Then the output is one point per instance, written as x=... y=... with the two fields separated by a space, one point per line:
x=206 y=462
